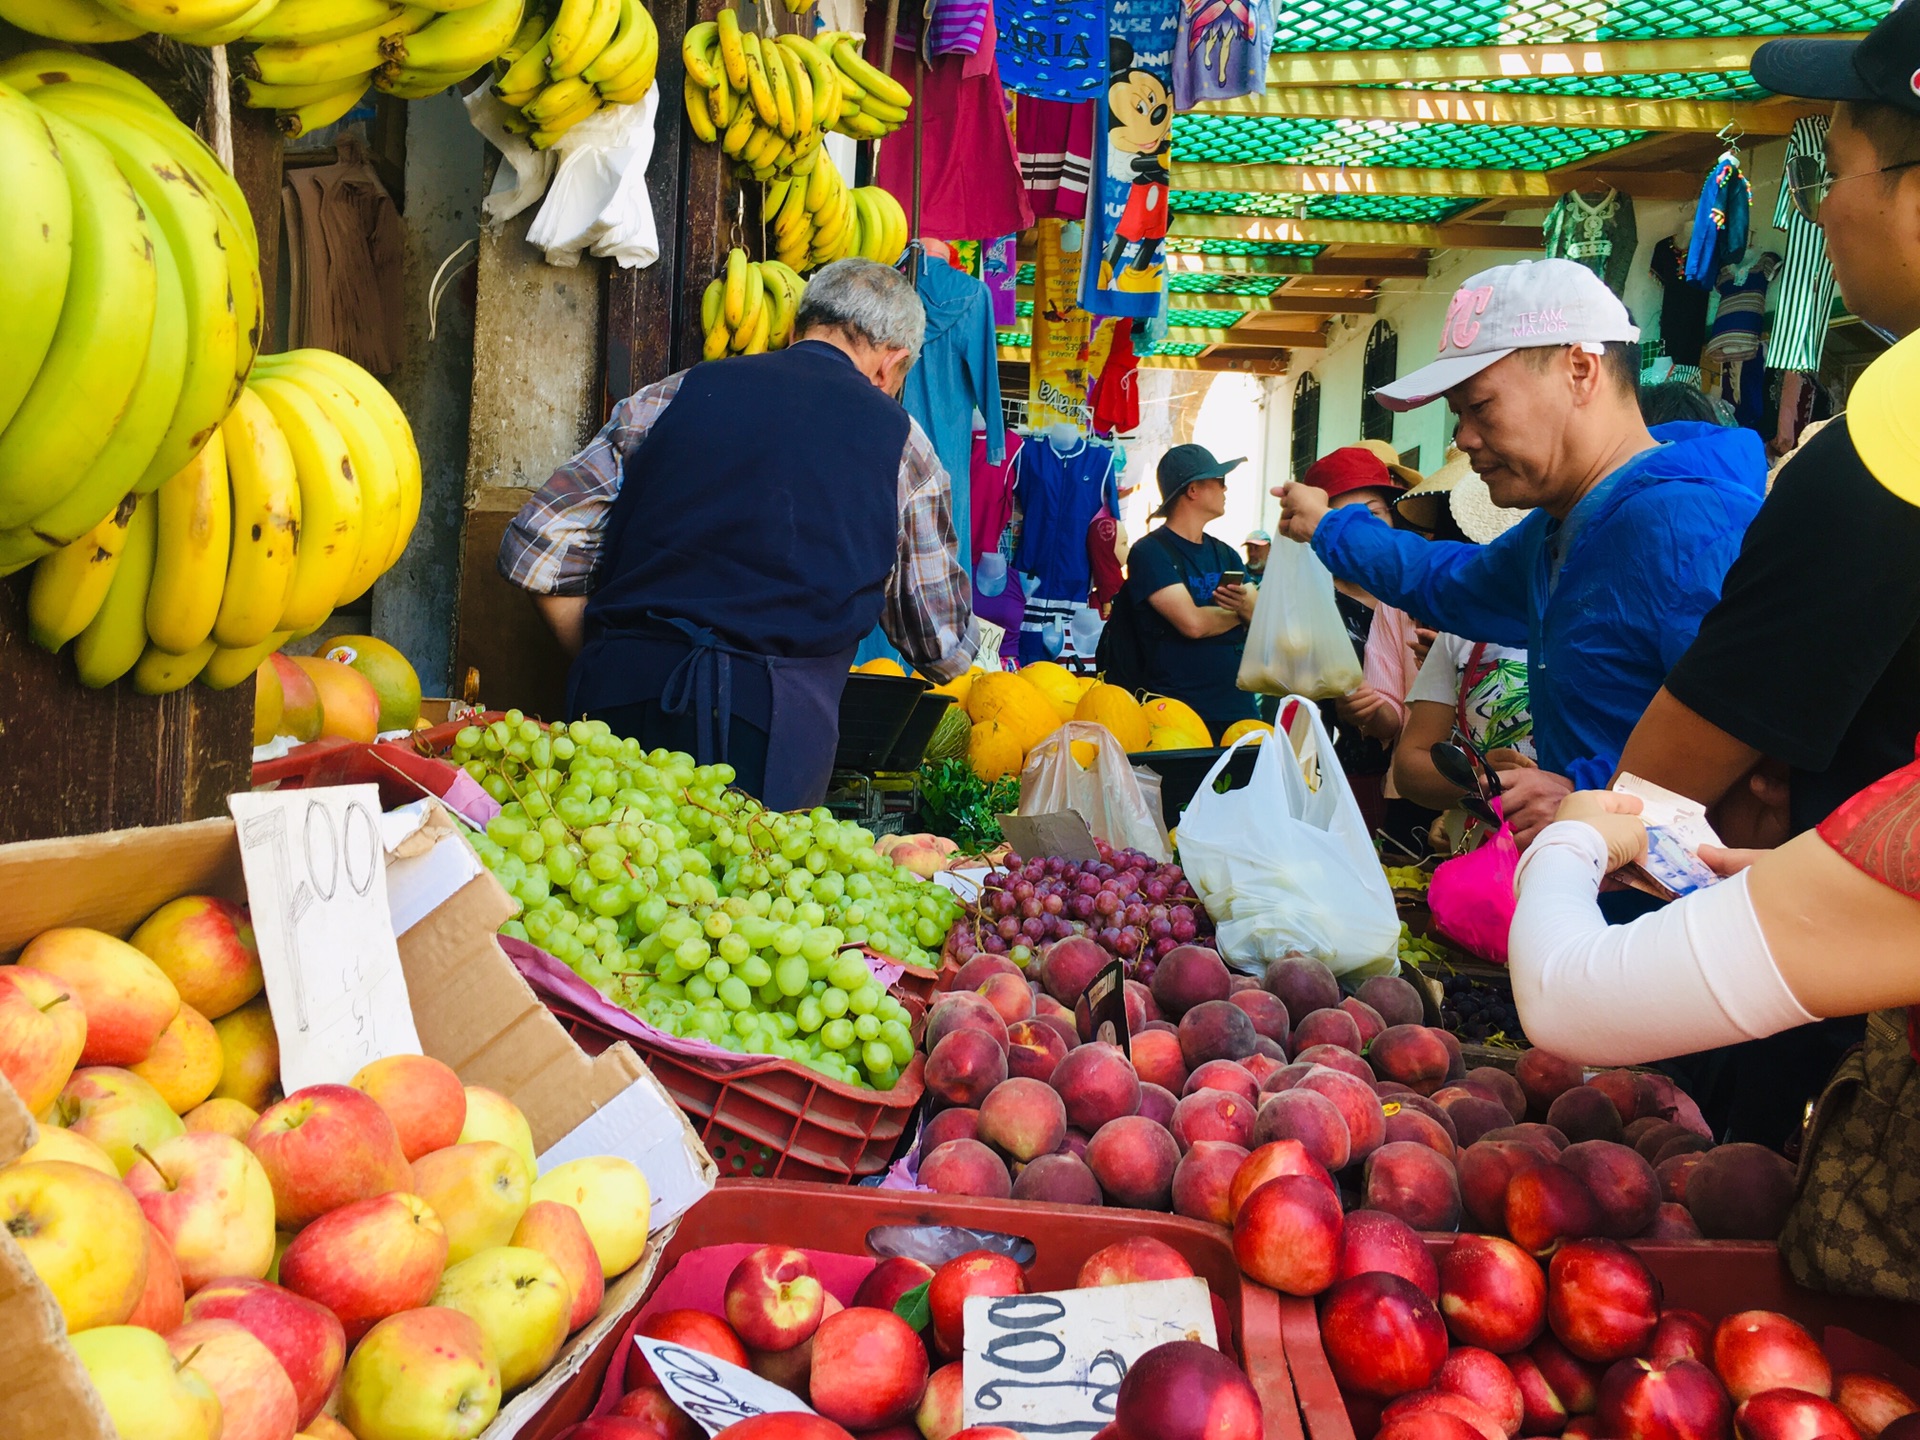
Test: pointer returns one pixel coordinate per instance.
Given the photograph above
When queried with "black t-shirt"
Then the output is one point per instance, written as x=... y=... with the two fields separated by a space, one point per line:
x=1200 y=672
x=1812 y=655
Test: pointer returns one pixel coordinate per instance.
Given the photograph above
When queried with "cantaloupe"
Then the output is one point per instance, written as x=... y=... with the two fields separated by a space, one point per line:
x=1241 y=728
x=1164 y=712
x=959 y=686
x=949 y=740
x=1086 y=752
x=1114 y=708
x=1005 y=697
x=995 y=751
x=1059 y=685
x=879 y=665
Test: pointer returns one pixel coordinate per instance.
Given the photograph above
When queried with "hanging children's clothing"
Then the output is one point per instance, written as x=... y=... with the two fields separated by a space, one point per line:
x=1123 y=263
x=969 y=176
x=1222 y=50
x=1599 y=234
x=1059 y=492
x=1683 y=305
x=991 y=487
x=1733 y=365
x=1719 y=221
x=1804 y=303
x=1116 y=389
x=1055 y=143
x=958 y=372
x=999 y=270
x=958 y=26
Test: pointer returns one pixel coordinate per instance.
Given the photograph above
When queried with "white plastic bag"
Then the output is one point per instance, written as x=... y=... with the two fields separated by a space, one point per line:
x=1107 y=794
x=1297 y=643
x=1281 y=867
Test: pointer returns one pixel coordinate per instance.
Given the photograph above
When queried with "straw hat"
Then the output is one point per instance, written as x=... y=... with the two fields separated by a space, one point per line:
x=1390 y=457
x=1467 y=496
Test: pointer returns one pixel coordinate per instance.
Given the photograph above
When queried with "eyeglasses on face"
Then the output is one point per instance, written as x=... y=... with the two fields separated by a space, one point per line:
x=1808 y=182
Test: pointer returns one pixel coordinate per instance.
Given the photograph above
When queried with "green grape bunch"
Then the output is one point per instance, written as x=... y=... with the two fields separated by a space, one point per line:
x=695 y=907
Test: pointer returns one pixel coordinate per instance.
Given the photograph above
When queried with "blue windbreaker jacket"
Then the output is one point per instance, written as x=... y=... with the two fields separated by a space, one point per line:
x=1642 y=571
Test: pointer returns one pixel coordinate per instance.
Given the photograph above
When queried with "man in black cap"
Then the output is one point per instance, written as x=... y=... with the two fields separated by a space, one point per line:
x=1188 y=595
x=1803 y=685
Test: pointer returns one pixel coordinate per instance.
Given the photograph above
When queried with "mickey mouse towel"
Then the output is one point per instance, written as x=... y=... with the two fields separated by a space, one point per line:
x=1124 y=259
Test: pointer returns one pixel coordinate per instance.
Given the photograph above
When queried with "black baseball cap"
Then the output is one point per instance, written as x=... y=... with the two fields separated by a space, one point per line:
x=1881 y=68
x=1183 y=465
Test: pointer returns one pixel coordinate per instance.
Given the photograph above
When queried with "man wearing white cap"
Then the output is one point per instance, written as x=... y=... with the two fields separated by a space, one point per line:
x=1606 y=582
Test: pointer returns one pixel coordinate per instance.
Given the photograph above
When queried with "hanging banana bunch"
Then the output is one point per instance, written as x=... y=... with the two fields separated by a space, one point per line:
x=587 y=54
x=750 y=308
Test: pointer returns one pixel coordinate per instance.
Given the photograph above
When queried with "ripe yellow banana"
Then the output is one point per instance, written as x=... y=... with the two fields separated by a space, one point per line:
x=800 y=82
x=339 y=59
x=69 y=585
x=697 y=49
x=698 y=120
x=715 y=343
x=36 y=236
x=160 y=672
x=318 y=114
x=404 y=84
x=195 y=540
x=622 y=90
x=266 y=524
x=532 y=26
x=374 y=470
x=329 y=537
x=745 y=125
x=526 y=75
x=631 y=83
x=626 y=45
x=114 y=638
x=310 y=22
x=462 y=40
x=99 y=343
x=787 y=118
x=557 y=99
x=821 y=76
x=757 y=340
x=78 y=22
x=178 y=17
x=234 y=29
x=580 y=29
x=722 y=104
x=733 y=54
x=734 y=304
x=758 y=86
x=848 y=60
x=228 y=666
x=546 y=135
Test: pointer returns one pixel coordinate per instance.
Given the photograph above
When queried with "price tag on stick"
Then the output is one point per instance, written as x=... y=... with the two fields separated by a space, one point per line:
x=712 y=1392
x=1051 y=1364
x=317 y=885
x=1107 y=1003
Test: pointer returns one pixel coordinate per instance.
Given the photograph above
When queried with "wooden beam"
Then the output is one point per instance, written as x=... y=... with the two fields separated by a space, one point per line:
x=1689 y=56
x=1268 y=337
x=1474 y=107
x=1467 y=184
x=1287 y=304
x=1358 y=232
x=1341 y=267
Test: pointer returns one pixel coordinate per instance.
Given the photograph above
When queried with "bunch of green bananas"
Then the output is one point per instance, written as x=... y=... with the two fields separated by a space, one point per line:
x=298 y=501
x=814 y=217
x=133 y=297
x=593 y=53
x=769 y=100
x=316 y=58
x=751 y=308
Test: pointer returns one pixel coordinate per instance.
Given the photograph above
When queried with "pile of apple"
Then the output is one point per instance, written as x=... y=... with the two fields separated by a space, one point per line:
x=380 y=1251
x=869 y=1375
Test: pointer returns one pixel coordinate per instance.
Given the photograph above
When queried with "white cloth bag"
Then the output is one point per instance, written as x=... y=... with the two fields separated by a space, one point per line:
x=1281 y=867
x=1297 y=644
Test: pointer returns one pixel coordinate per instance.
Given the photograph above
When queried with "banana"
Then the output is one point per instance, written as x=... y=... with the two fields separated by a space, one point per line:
x=526 y=75
x=820 y=185
x=532 y=27
x=310 y=22
x=631 y=84
x=177 y=17
x=745 y=125
x=545 y=136
x=259 y=95
x=721 y=104
x=227 y=667
x=69 y=585
x=628 y=43
x=864 y=127
x=194 y=541
x=36 y=236
x=160 y=672
x=329 y=535
x=733 y=54
x=628 y=92
x=758 y=86
x=233 y=29
x=757 y=340
x=698 y=120
x=406 y=84
x=305 y=119
x=37 y=69
x=734 y=302
x=880 y=110
x=579 y=31
x=697 y=50
x=266 y=524
x=556 y=100
x=356 y=54
x=848 y=60
x=800 y=82
x=786 y=116
x=710 y=303
x=762 y=148
x=715 y=343
x=78 y=22
x=374 y=470
x=780 y=307
x=461 y=40
x=112 y=641
x=99 y=343
x=821 y=76
x=775 y=195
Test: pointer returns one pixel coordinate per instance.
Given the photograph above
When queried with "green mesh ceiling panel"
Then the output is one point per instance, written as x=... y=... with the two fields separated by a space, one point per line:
x=1019 y=339
x=1176 y=347
x=1214 y=283
x=1245 y=139
x=1643 y=19
x=1024 y=275
x=1408 y=209
x=1427 y=24
x=1203 y=319
x=1725 y=85
x=1024 y=309
x=1396 y=25
x=1191 y=245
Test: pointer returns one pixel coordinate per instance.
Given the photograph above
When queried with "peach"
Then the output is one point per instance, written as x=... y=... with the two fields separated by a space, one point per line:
x=1483 y=1377
x=128 y=1000
x=1630 y=1091
x=1547 y=1205
x=1413 y=1055
x=249 y=1056
x=1212 y=1115
x=890 y=1279
x=211 y=1198
x=1286 y=1077
x=1216 y=1030
x=257 y=1400
x=1602 y=1300
x=1426 y=1403
x=1367 y=1018
x=941 y=1409
x=1680 y=1335
x=1679 y=1400
x=965 y=1066
x=1303 y=985
x=555 y=1229
x=1078 y=1140
x=1158 y=1104
x=963 y=1010
x=1671 y=1223
x=1269 y=1162
x=1231 y=1075
x=1062 y=1179
x=978 y=1272
x=163 y=1303
x=1544 y=1138
x=1268 y=1013
x=1130 y=1262
x=305 y=1338
x=963 y=1167
x=772 y=1298
x=1474 y=1118
x=1375 y=1240
x=973 y=974
x=1740 y=1192
x=1184 y=1390
x=1790 y=1415
x=869 y=1369
x=368 y=1260
x=1408 y=1125
x=324 y=1147
x=1585 y=1113
x=1382 y=1336
x=1492 y=1294
x=1035 y=1050
x=1024 y=1119
x=1757 y=1350
x=1358 y=1106
x=1338 y=1057
x=1502 y=1085
x=1287 y=1235
x=1134 y=1160
x=1009 y=995
x=1545 y=1078
x=1870 y=1402
x=1685 y=1143
x=1068 y=966
x=1190 y=975
x=1625 y=1190
x=1310 y=1118
x=959 y=1123
x=423 y=1097
x=1260 y=1065
x=1273 y=1050
x=1157 y=1060
x=118 y=1111
x=1393 y=999
x=1325 y=1027
x=1098 y=1084
x=43 y=1030
x=1203 y=1181
x=1431 y=1425
x=205 y=946
x=1408 y=1179
x=1485 y=1169
x=1647 y=1134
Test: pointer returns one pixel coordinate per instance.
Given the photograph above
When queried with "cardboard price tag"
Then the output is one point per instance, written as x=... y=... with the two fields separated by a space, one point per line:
x=1107 y=1003
x=1051 y=1364
x=317 y=885
x=714 y=1393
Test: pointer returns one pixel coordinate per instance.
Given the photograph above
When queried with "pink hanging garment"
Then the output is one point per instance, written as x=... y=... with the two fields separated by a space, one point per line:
x=970 y=173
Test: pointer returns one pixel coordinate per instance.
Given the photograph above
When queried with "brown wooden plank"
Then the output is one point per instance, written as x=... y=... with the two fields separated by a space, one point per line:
x=256 y=165
x=498 y=630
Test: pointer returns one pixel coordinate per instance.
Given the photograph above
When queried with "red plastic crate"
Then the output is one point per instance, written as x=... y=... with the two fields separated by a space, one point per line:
x=818 y=1217
x=1716 y=1278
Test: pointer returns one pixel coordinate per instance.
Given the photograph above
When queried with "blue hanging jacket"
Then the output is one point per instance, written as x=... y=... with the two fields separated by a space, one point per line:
x=1643 y=565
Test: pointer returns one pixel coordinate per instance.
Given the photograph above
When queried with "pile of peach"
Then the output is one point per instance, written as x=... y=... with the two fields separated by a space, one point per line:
x=869 y=1375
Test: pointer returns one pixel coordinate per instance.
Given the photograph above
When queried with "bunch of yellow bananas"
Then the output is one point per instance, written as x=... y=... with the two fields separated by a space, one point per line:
x=815 y=217
x=593 y=53
x=316 y=58
x=100 y=22
x=751 y=308
x=300 y=499
x=133 y=297
x=769 y=100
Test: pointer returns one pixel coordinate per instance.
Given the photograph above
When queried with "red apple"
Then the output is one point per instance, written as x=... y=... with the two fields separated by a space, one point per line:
x=941 y=1410
x=1288 y=1236
x=978 y=1272
x=1492 y=1293
x=889 y=1280
x=1791 y=1415
x=869 y=1368
x=653 y=1411
x=256 y=1397
x=694 y=1329
x=1187 y=1391
x=1602 y=1300
x=555 y=1229
x=163 y=1303
x=43 y=1029
x=127 y=999
x=1871 y=1402
x=307 y=1339
x=789 y=1426
x=368 y=1260
x=324 y=1147
x=1483 y=1377
x=1680 y=1400
x=205 y=946
x=1757 y=1350
x=423 y=1097
x=1382 y=1336
x=209 y=1196
x=773 y=1299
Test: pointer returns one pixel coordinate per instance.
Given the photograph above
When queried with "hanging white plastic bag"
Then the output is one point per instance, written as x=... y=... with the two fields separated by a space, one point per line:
x=1105 y=793
x=1297 y=644
x=1284 y=868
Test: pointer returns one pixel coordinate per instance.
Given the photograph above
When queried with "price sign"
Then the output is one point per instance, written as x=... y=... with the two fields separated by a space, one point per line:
x=714 y=1393
x=317 y=884
x=1107 y=1004
x=1051 y=1364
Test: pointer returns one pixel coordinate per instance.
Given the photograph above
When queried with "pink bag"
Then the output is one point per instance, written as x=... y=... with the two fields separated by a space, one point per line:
x=1471 y=897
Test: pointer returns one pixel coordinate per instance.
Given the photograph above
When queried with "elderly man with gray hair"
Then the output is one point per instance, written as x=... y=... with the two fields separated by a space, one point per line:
x=715 y=555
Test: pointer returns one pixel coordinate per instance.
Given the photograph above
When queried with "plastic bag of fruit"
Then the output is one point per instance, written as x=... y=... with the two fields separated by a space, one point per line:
x=1082 y=767
x=1296 y=642
x=1282 y=868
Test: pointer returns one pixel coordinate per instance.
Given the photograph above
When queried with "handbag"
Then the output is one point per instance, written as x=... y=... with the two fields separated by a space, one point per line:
x=1471 y=896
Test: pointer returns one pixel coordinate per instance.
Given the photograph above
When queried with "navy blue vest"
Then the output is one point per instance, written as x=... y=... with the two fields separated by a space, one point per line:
x=763 y=505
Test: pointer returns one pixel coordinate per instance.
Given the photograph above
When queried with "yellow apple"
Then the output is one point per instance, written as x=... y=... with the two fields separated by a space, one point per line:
x=57 y=1144
x=614 y=1203
x=43 y=1029
x=421 y=1375
x=556 y=1232
x=117 y=1110
x=520 y=1301
x=83 y=1234
x=250 y=1056
x=479 y=1191
x=128 y=999
x=324 y=1427
x=146 y=1395
x=205 y=946
x=186 y=1061
x=256 y=1398
x=223 y=1116
x=422 y=1096
x=209 y=1195
x=491 y=1116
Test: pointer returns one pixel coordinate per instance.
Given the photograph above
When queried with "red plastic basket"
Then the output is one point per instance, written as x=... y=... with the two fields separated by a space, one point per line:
x=815 y=1217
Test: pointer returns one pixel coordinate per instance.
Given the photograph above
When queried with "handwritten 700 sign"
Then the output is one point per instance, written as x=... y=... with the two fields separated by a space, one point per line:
x=317 y=884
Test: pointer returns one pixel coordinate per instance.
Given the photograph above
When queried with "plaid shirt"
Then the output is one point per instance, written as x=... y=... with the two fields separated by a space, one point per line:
x=554 y=545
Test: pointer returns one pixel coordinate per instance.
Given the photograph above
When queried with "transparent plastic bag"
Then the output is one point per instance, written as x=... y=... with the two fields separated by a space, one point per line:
x=1297 y=643
x=1106 y=794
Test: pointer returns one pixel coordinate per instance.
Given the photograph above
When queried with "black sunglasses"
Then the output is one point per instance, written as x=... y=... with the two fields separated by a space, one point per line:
x=1461 y=765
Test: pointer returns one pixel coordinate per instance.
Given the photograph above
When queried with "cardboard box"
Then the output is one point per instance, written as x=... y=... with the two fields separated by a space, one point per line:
x=471 y=1009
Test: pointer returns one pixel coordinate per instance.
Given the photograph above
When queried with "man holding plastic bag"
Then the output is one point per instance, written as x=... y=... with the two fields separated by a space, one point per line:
x=1606 y=583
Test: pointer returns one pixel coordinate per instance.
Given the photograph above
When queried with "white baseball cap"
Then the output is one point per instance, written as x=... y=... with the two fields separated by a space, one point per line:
x=1530 y=305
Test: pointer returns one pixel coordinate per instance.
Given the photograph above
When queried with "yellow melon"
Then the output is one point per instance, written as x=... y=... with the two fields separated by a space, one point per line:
x=1059 y=685
x=1166 y=737
x=959 y=686
x=1114 y=708
x=1007 y=698
x=879 y=665
x=995 y=751
x=1164 y=711
x=1241 y=728
x=1086 y=752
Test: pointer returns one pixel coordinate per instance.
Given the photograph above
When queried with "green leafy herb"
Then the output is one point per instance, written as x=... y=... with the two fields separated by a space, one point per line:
x=957 y=803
